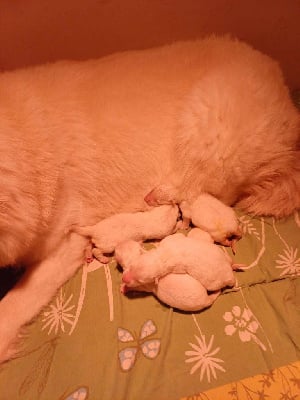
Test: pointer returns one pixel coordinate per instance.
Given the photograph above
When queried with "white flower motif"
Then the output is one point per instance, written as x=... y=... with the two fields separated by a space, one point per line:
x=59 y=314
x=289 y=262
x=202 y=355
x=243 y=323
x=248 y=227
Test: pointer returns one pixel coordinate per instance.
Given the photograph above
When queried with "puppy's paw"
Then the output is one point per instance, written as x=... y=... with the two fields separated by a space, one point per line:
x=97 y=253
x=123 y=288
x=89 y=254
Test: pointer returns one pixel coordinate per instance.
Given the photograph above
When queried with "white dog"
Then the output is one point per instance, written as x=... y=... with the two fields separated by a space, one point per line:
x=81 y=141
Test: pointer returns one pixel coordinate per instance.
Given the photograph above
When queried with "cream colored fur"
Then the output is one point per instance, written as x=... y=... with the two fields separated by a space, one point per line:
x=180 y=291
x=140 y=226
x=80 y=141
x=179 y=254
x=214 y=217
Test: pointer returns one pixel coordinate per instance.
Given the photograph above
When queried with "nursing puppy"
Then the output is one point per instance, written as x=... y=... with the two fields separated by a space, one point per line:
x=205 y=212
x=145 y=225
x=81 y=141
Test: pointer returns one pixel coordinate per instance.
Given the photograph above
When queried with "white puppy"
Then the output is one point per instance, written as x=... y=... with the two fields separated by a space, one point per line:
x=81 y=141
x=179 y=254
x=180 y=291
x=108 y=233
x=205 y=212
x=214 y=217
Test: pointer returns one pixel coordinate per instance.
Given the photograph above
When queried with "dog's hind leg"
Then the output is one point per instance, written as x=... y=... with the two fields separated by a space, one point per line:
x=36 y=288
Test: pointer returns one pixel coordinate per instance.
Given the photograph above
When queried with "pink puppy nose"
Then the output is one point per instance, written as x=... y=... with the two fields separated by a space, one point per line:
x=127 y=277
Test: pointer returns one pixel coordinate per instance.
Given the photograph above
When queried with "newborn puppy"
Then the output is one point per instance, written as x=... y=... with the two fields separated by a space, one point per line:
x=180 y=291
x=200 y=235
x=206 y=212
x=214 y=217
x=204 y=261
x=108 y=233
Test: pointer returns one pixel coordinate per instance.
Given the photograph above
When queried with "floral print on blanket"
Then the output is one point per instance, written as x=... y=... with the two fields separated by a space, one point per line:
x=91 y=341
x=59 y=314
x=203 y=356
x=280 y=383
x=79 y=394
x=244 y=324
x=288 y=261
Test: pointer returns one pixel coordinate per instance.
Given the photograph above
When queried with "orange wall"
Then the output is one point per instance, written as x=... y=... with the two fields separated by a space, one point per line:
x=35 y=31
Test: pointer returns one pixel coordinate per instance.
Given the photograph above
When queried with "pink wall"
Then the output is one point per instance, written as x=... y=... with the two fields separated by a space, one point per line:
x=35 y=31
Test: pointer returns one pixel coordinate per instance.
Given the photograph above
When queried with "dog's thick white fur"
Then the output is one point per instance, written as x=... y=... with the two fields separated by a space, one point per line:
x=81 y=141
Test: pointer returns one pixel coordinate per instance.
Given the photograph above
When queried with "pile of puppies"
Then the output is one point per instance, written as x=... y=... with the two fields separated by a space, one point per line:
x=185 y=271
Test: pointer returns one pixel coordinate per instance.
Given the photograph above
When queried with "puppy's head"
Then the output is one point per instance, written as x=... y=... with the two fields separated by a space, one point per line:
x=127 y=252
x=161 y=195
x=137 y=278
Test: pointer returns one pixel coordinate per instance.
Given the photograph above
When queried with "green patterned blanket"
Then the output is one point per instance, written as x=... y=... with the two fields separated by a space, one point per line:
x=92 y=342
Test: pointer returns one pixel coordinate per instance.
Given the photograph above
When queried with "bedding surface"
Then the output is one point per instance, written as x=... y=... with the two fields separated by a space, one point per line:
x=92 y=342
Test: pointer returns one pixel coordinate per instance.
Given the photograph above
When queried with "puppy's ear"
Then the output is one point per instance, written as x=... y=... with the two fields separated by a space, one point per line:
x=276 y=193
